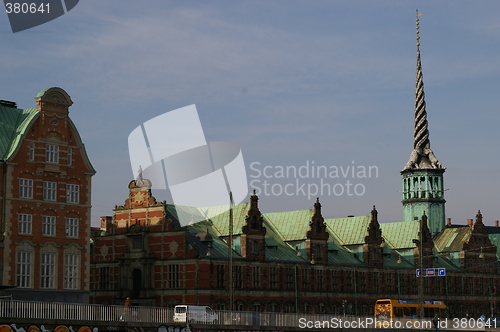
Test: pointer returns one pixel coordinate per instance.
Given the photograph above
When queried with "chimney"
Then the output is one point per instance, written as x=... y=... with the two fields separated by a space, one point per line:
x=7 y=103
x=469 y=222
x=106 y=221
x=448 y=222
x=496 y=223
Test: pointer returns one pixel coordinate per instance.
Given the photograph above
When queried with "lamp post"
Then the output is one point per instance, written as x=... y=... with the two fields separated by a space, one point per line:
x=419 y=242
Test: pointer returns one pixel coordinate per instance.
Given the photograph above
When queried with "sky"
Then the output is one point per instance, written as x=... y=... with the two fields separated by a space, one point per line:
x=292 y=83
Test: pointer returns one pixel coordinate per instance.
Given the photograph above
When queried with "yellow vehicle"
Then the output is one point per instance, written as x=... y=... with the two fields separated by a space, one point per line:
x=387 y=309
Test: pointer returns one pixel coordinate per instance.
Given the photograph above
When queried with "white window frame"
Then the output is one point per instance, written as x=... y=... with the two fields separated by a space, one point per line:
x=71 y=271
x=31 y=153
x=49 y=191
x=48 y=225
x=47 y=270
x=25 y=188
x=52 y=153
x=72 y=227
x=72 y=193
x=23 y=268
x=25 y=222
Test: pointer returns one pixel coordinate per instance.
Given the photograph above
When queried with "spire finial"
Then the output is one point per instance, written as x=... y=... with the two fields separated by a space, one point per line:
x=418 y=37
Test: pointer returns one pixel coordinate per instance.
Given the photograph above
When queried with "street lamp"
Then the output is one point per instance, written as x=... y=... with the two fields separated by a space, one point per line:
x=419 y=242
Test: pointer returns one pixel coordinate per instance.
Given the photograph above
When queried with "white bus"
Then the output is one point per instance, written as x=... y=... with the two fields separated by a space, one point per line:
x=193 y=313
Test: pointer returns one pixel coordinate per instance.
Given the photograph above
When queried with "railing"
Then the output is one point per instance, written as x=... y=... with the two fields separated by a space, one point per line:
x=118 y=313
x=71 y=312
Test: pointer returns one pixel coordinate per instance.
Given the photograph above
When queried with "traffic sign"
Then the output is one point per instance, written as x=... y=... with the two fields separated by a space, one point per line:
x=433 y=272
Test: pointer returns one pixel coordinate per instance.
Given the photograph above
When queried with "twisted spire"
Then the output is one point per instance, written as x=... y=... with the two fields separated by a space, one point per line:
x=420 y=131
x=422 y=156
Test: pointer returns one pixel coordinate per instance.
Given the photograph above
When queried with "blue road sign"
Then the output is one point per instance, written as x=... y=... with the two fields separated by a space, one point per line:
x=441 y=272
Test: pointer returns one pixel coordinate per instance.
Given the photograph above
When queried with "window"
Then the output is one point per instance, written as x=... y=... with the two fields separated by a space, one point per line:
x=31 y=153
x=52 y=153
x=289 y=278
x=256 y=277
x=70 y=156
x=173 y=276
x=319 y=279
x=49 y=191
x=47 y=270
x=71 y=227
x=238 y=282
x=23 y=273
x=71 y=271
x=305 y=282
x=334 y=281
x=272 y=278
x=255 y=247
x=220 y=276
x=104 y=277
x=49 y=225
x=72 y=193
x=137 y=242
x=25 y=188
x=24 y=223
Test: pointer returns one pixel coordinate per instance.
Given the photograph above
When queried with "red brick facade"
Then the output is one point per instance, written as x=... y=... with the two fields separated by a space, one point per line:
x=46 y=207
x=143 y=253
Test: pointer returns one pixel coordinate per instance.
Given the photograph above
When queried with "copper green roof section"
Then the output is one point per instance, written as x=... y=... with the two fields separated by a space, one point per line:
x=400 y=235
x=452 y=239
x=41 y=93
x=14 y=123
x=292 y=225
x=276 y=248
x=221 y=217
x=218 y=247
x=451 y=263
x=392 y=259
x=220 y=220
x=349 y=231
x=337 y=255
x=495 y=240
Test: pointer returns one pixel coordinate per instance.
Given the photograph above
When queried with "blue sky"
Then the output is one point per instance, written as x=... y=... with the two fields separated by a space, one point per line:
x=290 y=82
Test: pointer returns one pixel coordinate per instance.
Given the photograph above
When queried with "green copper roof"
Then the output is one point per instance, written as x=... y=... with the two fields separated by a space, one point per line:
x=41 y=93
x=495 y=240
x=291 y=225
x=349 y=231
x=14 y=123
x=452 y=239
x=400 y=234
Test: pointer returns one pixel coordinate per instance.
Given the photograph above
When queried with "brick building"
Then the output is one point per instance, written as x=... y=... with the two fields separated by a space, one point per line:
x=45 y=208
x=292 y=261
x=297 y=261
